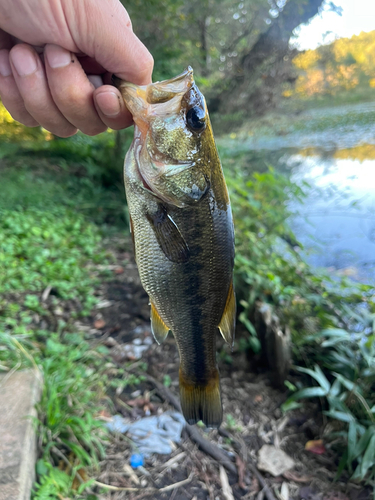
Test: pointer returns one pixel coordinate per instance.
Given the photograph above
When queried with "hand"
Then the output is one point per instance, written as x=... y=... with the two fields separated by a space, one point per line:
x=55 y=56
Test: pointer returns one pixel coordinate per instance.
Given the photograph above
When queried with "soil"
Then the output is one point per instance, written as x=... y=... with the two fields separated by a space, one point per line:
x=252 y=416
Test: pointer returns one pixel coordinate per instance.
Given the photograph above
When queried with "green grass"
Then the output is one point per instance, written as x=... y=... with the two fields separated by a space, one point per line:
x=53 y=218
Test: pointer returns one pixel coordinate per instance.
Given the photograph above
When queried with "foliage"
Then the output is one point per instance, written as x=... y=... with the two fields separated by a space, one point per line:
x=51 y=246
x=342 y=65
x=219 y=38
x=347 y=388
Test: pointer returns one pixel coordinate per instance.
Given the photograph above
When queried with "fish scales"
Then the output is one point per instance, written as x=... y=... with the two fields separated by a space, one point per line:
x=183 y=233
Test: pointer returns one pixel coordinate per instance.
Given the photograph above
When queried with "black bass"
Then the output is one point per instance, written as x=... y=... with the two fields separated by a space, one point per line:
x=182 y=228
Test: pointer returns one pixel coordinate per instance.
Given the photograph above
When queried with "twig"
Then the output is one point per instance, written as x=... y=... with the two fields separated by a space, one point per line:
x=46 y=293
x=146 y=490
x=205 y=445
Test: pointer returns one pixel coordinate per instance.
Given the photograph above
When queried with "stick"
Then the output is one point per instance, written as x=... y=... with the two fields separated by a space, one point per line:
x=146 y=490
x=209 y=448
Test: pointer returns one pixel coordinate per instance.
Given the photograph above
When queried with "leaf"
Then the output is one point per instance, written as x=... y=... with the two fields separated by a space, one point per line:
x=318 y=375
x=340 y=415
x=316 y=447
x=352 y=440
x=368 y=457
x=290 y=405
x=309 y=392
x=363 y=442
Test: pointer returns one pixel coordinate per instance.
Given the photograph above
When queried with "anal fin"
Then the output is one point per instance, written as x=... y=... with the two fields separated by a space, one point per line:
x=158 y=327
x=228 y=321
x=201 y=402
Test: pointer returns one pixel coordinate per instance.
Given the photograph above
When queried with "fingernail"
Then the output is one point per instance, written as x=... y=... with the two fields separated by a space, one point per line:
x=108 y=103
x=5 y=69
x=57 y=56
x=24 y=62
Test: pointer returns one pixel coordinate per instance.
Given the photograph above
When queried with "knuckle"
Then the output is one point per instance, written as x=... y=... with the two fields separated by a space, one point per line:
x=98 y=129
x=64 y=133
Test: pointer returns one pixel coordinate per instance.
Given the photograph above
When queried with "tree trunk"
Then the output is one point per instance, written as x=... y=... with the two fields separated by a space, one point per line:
x=265 y=57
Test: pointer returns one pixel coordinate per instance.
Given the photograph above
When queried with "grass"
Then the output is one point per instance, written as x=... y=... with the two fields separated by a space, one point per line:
x=53 y=218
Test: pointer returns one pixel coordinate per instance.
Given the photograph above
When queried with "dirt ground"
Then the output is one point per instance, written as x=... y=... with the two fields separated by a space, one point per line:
x=252 y=418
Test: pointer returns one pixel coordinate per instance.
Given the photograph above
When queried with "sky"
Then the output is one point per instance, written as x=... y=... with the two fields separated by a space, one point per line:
x=357 y=16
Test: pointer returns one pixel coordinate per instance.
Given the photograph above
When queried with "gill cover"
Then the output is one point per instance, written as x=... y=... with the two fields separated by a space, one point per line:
x=170 y=122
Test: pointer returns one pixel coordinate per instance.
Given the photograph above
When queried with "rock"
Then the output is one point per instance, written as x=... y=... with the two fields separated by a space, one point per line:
x=274 y=460
x=18 y=395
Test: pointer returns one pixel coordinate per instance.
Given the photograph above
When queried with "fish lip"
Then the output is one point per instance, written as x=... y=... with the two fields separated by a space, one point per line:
x=178 y=84
x=116 y=81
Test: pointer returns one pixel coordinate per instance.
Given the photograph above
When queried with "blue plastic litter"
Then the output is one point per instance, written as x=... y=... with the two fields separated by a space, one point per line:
x=136 y=460
x=151 y=434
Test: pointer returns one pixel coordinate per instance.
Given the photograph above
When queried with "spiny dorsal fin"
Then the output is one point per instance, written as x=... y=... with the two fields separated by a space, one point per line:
x=158 y=327
x=228 y=320
x=168 y=235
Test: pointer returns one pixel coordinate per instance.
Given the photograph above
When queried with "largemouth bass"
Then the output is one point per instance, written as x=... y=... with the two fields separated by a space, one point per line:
x=182 y=229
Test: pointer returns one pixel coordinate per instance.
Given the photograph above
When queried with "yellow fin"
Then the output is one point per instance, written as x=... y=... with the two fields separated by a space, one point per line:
x=201 y=402
x=158 y=327
x=228 y=321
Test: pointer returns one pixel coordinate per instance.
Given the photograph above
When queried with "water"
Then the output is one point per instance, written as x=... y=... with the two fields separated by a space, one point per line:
x=337 y=223
x=334 y=151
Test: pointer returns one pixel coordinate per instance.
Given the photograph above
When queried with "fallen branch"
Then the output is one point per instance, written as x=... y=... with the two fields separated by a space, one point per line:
x=209 y=448
x=146 y=490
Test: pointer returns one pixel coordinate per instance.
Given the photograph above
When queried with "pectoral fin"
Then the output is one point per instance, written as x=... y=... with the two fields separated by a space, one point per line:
x=169 y=237
x=228 y=320
x=158 y=327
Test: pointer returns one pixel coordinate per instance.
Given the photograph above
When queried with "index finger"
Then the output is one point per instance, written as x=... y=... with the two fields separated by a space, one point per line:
x=107 y=36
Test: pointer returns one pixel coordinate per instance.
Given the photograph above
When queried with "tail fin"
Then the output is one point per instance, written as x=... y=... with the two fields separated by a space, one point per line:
x=201 y=402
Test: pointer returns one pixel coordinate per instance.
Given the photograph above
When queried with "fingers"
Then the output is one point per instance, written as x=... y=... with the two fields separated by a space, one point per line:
x=111 y=107
x=33 y=88
x=74 y=94
x=60 y=97
x=114 y=46
x=10 y=94
x=71 y=90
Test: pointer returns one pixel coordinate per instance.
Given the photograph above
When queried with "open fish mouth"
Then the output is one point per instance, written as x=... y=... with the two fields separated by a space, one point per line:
x=155 y=93
x=170 y=118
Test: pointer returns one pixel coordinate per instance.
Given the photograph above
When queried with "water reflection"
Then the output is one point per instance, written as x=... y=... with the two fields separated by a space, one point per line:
x=337 y=223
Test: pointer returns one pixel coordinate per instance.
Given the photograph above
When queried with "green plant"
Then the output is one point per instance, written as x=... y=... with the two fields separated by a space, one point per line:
x=345 y=381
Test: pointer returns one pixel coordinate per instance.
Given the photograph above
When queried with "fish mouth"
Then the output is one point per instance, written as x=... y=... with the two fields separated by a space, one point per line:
x=155 y=93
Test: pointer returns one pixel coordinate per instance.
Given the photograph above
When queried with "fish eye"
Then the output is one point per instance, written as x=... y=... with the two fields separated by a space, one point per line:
x=196 y=118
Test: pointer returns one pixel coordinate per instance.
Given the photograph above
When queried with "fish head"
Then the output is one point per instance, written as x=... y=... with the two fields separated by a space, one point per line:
x=173 y=138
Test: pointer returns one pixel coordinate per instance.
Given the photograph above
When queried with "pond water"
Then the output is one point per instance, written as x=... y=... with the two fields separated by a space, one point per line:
x=334 y=151
x=337 y=223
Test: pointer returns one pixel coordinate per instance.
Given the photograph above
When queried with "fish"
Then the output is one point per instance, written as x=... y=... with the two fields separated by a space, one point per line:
x=182 y=228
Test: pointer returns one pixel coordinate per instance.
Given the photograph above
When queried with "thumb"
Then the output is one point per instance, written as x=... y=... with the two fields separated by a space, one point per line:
x=103 y=31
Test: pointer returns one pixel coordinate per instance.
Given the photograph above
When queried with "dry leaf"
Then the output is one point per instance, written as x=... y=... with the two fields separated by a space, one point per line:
x=99 y=323
x=293 y=476
x=119 y=270
x=258 y=398
x=227 y=490
x=316 y=447
x=241 y=467
x=284 y=492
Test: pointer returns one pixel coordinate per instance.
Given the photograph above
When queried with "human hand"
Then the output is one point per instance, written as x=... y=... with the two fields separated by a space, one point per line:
x=55 y=56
